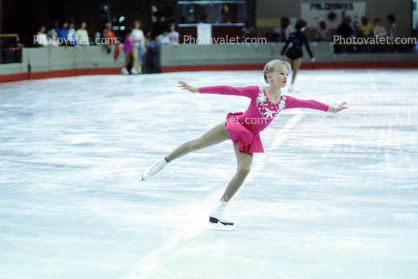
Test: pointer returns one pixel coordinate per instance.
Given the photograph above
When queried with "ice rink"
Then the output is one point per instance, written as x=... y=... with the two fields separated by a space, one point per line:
x=333 y=196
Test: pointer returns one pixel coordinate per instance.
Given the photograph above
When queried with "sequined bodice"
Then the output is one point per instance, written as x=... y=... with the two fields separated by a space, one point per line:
x=266 y=108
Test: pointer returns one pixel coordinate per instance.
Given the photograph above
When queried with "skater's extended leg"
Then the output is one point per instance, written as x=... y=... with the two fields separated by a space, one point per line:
x=214 y=136
x=218 y=213
x=244 y=161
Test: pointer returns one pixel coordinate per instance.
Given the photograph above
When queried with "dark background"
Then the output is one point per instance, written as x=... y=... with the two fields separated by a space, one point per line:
x=26 y=17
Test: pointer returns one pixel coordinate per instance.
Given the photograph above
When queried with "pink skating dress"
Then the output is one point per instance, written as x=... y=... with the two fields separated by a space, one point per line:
x=245 y=127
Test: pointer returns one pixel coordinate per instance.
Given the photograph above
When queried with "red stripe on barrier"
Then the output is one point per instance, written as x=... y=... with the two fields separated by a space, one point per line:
x=59 y=73
x=13 y=77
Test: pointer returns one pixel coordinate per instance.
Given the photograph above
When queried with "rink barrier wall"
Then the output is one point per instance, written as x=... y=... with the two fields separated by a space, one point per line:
x=40 y=63
x=304 y=66
x=237 y=56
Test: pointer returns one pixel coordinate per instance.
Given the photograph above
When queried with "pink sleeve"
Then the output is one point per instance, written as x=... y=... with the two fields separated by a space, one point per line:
x=228 y=90
x=311 y=104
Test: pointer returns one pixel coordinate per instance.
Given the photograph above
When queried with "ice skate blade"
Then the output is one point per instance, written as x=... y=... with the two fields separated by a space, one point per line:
x=215 y=224
x=215 y=220
x=219 y=227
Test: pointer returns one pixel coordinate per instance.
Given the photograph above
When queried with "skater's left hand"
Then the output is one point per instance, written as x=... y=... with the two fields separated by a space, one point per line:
x=339 y=108
x=185 y=86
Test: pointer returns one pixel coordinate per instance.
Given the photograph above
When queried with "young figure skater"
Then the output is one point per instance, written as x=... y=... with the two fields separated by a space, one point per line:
x=294 y=54
x=242 y=128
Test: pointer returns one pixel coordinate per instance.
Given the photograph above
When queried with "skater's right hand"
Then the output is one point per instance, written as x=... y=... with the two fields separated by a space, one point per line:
x=185 y=86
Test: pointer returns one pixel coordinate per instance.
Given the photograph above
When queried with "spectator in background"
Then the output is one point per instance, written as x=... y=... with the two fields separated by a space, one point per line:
x=52 y=37
x=128 y=48
x=100 y=37
x=163 y=39
x=139 y=43
x=13 y=55
x=345 y=31
x=62 y=33
x=54 y=29
x=156 y=26
x=110 y=37
x=41 y=39
x=285 y=29
x=379 y=32
x=82 y=36
x=248 y=31
x=147 y=56
x=15 y=45
x=152 y=64
x=392 y=32
x=323 y=33
x=71 y=35
x=173 y=35
x=53 y=40
x=365 y=30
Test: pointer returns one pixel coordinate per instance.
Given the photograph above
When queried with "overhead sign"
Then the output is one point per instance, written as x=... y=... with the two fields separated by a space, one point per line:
x=332 y=13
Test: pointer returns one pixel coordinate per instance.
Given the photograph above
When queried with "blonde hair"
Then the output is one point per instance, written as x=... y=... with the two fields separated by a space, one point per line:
x=273 y=66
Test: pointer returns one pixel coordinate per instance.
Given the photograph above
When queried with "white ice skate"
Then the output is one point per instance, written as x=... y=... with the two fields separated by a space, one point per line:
x=146 y=175
x=218 y=218
x=125 y=71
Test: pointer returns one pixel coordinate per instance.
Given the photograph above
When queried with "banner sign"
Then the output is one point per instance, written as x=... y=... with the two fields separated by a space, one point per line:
x=332 y=13
x=204 y=33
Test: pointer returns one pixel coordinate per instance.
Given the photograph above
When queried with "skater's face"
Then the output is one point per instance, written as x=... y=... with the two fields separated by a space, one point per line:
x=279 y=77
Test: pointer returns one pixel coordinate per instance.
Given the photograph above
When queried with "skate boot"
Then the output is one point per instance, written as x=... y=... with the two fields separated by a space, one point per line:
x=146 y=175
x=218 y=217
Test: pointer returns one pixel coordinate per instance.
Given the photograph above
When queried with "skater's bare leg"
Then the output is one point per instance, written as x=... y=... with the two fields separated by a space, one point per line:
x=214 y=136
x=244 y=161
x=295 y=64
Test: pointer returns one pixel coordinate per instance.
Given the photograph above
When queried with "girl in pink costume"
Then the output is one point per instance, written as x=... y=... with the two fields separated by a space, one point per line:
x=243 y=128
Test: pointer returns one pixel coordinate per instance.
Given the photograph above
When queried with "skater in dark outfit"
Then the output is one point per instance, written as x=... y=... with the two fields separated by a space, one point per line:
x=294 y=54
x=242 y=128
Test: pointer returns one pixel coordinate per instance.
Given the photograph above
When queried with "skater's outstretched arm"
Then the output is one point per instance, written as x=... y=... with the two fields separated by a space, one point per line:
x=338 y=109
x=312 y=104
x=248 y=91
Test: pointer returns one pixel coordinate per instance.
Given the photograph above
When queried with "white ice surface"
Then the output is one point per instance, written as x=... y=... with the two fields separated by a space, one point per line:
x=334 y=196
